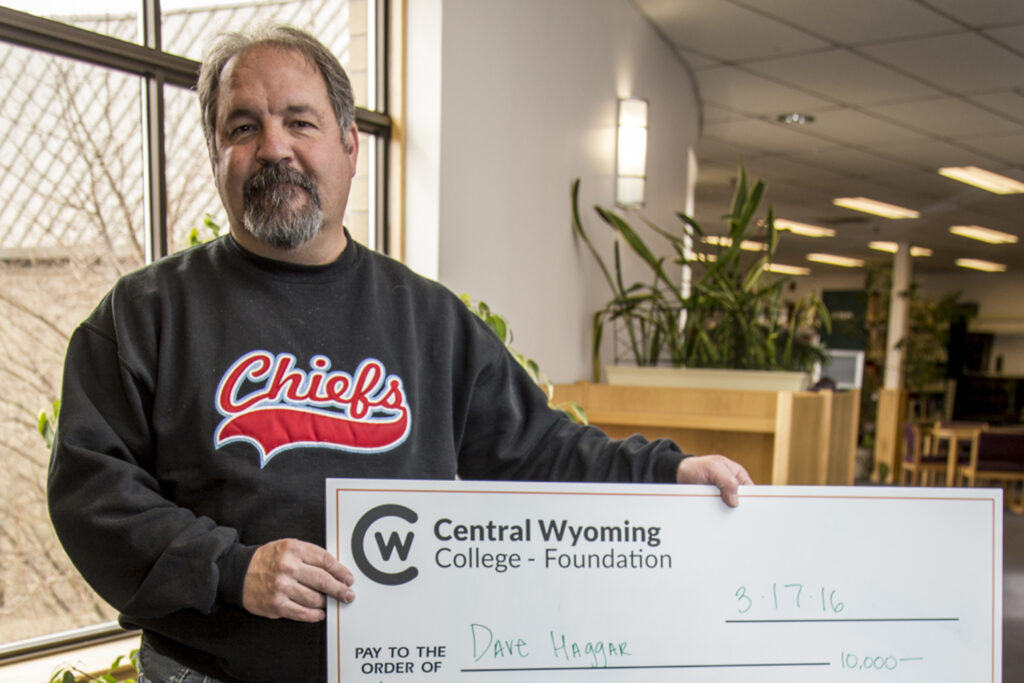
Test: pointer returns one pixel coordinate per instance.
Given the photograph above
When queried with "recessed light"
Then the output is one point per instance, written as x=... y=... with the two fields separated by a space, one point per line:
x=783 y=269
x=986 y=180
x=976 y=232
x=795 y=118
x=875 y=207
x=804 y=229
x=978 y=264
x=920 y=251
x=833 y=260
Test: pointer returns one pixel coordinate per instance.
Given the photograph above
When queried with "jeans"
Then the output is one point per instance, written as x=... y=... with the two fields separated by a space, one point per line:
x=157 y=668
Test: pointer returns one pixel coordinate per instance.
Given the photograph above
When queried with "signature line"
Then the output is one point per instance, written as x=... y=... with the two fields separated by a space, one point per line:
x=647 y=666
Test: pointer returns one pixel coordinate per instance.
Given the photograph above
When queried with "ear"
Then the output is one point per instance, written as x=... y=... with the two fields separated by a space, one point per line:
x=350 y=140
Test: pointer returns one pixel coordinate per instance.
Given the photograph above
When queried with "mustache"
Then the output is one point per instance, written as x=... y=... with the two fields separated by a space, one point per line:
x=270 y=177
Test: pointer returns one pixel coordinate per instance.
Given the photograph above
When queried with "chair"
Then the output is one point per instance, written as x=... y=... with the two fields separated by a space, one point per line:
x=997 y=455
x=920 y=466
x=953 y=440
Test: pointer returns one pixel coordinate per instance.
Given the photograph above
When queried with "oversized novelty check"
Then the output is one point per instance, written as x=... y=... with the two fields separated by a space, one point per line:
x=473 y=581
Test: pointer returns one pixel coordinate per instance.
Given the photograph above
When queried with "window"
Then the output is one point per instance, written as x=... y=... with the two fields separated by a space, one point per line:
x=75 y=173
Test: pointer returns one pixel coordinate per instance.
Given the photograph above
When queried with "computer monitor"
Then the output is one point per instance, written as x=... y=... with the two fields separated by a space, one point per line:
x=845 y=367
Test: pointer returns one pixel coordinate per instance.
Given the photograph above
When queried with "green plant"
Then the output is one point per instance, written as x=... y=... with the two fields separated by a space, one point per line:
x=211 y=225
x=499 y=325
x=47 y=423
x=122 y=667
x=733 y=316
x=926 y=344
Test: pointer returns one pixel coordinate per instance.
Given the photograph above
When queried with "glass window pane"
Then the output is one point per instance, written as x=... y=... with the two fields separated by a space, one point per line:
x=71 y=222
x=189 y=26
x=192 y=195
x=115 y=18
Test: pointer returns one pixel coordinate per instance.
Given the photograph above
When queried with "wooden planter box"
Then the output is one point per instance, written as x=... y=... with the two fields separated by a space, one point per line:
x=781 y=437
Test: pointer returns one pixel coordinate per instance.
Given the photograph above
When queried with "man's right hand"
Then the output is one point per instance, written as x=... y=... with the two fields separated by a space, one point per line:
x=291 y=579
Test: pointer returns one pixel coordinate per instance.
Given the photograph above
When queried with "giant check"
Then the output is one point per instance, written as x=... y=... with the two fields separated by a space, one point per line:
x=473 y=581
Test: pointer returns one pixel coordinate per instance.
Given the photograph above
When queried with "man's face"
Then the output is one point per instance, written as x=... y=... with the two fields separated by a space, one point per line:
x=282 y=168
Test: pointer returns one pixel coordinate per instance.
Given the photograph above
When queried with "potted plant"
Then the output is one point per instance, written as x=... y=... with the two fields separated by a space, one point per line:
x=733 y=316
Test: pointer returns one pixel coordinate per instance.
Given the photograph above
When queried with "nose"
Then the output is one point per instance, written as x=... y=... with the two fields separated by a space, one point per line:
x=274 y=145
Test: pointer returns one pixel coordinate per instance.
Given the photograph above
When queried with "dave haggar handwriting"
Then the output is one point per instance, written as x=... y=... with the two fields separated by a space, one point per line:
x=499 y=647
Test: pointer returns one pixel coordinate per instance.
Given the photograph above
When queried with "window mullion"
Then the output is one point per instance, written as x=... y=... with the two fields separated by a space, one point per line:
x=155 y=185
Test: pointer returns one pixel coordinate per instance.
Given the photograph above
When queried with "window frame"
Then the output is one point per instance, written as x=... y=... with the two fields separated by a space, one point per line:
x=158 y=69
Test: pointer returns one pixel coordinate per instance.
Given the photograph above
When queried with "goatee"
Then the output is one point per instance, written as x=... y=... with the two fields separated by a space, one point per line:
x=281 y=207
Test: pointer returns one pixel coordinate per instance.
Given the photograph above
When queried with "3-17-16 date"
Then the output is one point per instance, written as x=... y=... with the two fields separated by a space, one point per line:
x=790 y=595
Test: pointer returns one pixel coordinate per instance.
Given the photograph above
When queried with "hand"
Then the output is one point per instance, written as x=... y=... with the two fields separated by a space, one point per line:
x=291 y=579
x=715 y=469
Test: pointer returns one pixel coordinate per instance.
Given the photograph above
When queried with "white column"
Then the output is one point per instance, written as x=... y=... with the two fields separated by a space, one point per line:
x=899 y=315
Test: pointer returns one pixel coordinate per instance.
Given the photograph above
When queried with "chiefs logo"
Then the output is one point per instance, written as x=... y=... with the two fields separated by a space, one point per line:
x=269 y=402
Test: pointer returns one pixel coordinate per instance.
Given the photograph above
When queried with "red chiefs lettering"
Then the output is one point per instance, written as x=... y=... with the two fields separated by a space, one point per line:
x=267 y=401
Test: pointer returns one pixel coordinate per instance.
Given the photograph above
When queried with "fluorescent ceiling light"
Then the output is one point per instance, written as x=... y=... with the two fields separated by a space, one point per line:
x=745 y=245
x=978 y=264
x=893 y=247
x=875 y=207
x=976 y=232
x=834 y=260
x=986 y=180
x=803 y=228
x=889 y=247
x=783 y=269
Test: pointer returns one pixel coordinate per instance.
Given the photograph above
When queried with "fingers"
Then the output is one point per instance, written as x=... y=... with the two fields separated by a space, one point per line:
x=291 y=579
x=718 y=470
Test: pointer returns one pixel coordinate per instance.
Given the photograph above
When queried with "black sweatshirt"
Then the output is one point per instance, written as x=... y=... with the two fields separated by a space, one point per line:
x=209 y=396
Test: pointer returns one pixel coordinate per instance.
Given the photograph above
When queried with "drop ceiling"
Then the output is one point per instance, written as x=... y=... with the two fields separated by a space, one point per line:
x=897 y=89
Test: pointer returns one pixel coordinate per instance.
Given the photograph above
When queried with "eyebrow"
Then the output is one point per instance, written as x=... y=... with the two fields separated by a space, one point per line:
x=291 y=110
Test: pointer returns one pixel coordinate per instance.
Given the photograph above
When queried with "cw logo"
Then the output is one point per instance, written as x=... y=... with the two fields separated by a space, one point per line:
x=393 y=544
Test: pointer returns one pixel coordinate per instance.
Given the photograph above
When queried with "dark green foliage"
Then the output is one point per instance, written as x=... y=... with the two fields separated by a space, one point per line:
x=734 y=315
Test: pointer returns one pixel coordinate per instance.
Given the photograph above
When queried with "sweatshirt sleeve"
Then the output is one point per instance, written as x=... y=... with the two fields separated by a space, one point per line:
x=142 y=553
x=511 y=433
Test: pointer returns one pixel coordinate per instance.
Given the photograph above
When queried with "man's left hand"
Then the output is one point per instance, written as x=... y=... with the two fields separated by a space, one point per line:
x=715 y=469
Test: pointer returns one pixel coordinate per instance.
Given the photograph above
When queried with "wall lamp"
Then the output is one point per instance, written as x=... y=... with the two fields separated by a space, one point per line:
x=631 y=155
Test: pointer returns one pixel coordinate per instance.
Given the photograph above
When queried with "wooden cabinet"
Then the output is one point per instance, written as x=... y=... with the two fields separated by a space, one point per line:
x=784 y=437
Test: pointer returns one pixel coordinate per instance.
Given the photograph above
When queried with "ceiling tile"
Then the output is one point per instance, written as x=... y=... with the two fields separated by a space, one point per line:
x=1008 y=102
x=1012 y=37
x=946 y=117
x=961 y=62
x=738 y=90
x=724 y=30
x=785 y=169
x=713 y=114
x=848 y=22
x=850 y=127
x=697 y=61
x=935 y=154
x=854 y=162
x=1008 y=148
x=983 y=12
x=843 y=76
x=762 y=135
x=716 y=151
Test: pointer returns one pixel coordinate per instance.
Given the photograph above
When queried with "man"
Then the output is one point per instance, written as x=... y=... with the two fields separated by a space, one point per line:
x=209 y=395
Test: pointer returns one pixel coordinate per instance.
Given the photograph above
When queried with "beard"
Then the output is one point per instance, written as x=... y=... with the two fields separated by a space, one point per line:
x=281 y=207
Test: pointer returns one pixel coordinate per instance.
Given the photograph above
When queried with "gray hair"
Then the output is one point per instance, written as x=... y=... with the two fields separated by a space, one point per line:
x=339 y=89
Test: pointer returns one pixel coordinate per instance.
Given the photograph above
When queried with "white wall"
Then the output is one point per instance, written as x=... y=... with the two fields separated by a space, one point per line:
x=528 y=94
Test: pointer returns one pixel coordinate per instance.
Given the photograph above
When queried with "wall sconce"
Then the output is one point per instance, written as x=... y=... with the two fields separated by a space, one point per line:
x=631 y=158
